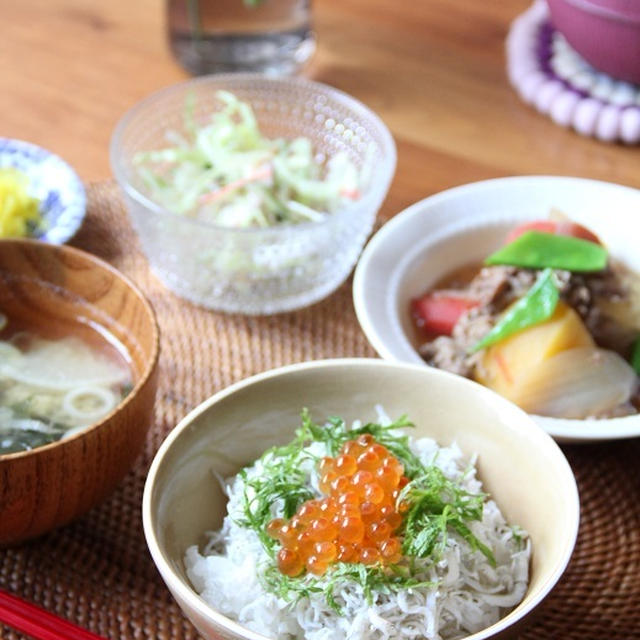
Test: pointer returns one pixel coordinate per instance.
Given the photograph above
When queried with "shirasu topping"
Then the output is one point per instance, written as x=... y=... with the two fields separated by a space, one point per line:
x=463 y=564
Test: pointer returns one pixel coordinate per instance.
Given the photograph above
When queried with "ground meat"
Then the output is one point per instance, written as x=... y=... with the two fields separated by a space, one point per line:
x=583 y=291
x=451 y=353
x=447 y=354
x=497 y=287
x=608 y=302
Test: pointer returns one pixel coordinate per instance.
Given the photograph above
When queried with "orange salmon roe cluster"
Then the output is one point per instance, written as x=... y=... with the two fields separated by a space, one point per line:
x=356 y=522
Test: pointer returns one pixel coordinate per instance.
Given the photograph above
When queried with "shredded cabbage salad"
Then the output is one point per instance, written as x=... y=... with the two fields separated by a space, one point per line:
x=476 y=568
x=228 y=173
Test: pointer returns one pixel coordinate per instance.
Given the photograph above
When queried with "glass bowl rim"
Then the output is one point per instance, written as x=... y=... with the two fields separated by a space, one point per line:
x=382 y=174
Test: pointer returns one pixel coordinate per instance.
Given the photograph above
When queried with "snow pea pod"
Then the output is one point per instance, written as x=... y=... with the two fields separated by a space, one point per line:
x=635 y=356
x=536 y=306
x=538 y=250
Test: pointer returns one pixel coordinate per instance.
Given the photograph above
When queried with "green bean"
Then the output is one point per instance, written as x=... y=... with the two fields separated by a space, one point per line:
x=536 y=306
x=538 y=250
x=635 y=356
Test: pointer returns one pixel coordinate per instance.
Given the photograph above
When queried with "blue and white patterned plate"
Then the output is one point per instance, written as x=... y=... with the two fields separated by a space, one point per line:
x=56 y=185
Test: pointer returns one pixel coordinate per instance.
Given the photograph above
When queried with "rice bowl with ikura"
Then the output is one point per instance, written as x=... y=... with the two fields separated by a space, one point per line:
x=361 y=532
x=521 y=468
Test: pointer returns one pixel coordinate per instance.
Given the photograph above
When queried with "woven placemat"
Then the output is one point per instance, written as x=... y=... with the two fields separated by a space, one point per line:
x=98 y=573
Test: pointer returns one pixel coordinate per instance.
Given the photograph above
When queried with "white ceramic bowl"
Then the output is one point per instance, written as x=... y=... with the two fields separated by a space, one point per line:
x=256 y=270
x=520 y=465
x=463 y=225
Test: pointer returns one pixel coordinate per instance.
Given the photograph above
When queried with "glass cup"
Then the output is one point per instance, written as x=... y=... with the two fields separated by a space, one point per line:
x=265 y=36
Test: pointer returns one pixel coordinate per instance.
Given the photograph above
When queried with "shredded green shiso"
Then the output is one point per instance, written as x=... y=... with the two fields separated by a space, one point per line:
x=438 y=507
x=228 y=173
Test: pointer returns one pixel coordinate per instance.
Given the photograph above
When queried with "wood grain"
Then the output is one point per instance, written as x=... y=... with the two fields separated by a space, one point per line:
x=434 y=71
x=51 y=288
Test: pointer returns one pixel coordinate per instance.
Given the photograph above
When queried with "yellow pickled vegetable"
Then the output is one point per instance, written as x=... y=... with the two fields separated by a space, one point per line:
x=506 y=365
x=19 y=212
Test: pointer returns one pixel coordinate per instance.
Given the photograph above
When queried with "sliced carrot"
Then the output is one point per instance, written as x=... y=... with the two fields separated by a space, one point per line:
x=439 y=314
x=262 y=173
x=567 y=228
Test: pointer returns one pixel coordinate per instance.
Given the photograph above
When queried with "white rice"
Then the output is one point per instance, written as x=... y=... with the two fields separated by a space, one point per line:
x=470 y=594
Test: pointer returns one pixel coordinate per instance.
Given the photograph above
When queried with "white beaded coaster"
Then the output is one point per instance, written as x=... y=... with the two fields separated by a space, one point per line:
x=549 y=75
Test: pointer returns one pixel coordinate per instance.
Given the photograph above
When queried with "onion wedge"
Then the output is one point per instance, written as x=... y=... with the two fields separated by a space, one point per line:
x=59 y=365
x=578 y=383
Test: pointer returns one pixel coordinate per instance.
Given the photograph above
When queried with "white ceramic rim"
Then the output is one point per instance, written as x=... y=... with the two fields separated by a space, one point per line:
x=206 y=611
x=375 y=192
x=373 y=325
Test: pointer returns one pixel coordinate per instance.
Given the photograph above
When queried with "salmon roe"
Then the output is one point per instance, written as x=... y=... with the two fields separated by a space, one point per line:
x=357 y=519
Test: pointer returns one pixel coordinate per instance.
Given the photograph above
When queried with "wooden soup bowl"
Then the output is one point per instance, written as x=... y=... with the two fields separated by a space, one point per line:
x=57 y=287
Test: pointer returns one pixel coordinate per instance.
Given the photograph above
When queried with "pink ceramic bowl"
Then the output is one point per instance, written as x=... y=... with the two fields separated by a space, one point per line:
x=606 y=33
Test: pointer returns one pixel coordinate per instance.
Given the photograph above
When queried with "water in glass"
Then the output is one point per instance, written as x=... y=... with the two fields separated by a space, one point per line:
x=269 y=36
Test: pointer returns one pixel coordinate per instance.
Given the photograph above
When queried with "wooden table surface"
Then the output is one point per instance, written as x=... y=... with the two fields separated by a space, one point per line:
x=434 y=70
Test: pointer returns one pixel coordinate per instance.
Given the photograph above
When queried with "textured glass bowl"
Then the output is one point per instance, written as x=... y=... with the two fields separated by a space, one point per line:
x=256 y=270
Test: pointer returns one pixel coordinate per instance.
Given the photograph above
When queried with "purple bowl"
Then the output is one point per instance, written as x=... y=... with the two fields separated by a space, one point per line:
x=606 y=33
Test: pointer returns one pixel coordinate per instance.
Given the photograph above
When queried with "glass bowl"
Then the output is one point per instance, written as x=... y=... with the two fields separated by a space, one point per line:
x=256 y=270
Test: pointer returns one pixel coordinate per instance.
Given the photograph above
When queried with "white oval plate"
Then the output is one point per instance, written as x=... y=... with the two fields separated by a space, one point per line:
x=463 y=225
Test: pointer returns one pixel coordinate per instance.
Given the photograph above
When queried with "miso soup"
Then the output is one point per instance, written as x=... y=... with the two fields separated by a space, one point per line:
x=55 y=380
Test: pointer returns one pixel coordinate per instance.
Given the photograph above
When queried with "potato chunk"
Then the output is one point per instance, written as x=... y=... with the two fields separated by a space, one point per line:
x=506 y=365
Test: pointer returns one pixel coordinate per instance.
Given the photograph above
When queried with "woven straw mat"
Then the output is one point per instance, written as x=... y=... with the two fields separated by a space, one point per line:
x=98 y=573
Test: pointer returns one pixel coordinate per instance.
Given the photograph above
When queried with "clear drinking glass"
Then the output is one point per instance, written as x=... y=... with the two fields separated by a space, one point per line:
x=266 y=36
